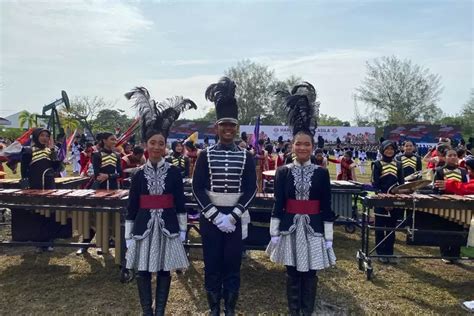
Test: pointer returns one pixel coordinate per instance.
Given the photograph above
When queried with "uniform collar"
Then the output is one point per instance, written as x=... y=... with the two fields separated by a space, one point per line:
x=231 y=147
x=159 y=164
x=304 y=164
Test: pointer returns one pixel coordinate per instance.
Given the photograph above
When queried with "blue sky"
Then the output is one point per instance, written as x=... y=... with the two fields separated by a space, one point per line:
x=104 y=48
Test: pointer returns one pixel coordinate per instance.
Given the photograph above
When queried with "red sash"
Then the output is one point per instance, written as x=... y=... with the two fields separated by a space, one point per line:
x=156 y=201
x=302 y=206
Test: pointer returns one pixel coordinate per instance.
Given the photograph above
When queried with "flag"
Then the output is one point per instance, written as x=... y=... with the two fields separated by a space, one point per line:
x=256 y=132
x=63 y=150
x=13 y=151
x=128 y=133
x=71 y=139
x=192 y=138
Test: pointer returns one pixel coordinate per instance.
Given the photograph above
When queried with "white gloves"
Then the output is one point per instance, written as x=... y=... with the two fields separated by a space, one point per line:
x=182 y=236
x=128 y=242
x=275 y=240
x=328 y=231
x=328 y=244
x=274 y=226
x=128 y=229
x=226 y=223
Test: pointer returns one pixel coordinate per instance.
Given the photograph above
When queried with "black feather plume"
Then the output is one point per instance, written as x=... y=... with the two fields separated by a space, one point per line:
x=301 y=107
x=158 y=118
x=222 y=94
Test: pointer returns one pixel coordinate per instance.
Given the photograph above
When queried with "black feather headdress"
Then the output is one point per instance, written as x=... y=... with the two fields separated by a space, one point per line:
x=301 y=106
x=157 y=118
x=222 y=94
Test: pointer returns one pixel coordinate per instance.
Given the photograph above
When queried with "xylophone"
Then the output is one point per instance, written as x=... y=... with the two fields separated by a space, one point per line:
x=100 y=209
x=453 y=208
x=61 y=183
x=343 y=204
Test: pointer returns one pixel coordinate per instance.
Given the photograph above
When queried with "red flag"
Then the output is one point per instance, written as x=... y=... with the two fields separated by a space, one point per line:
x=25 y=137
x=128 y=133
x=71 y=139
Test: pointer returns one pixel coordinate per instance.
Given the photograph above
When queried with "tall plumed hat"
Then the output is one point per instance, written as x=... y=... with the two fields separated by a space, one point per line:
x=157 y=118
x=301 y=106
x=222 y=94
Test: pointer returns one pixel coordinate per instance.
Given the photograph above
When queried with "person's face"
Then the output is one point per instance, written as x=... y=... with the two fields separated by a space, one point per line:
x=389 y=152
x=179 y=148
x=110 y=142
x=243 y=145
x=319 y=157
x=347 y=158
x=156 y=147
x=408 y=148
x=127 y=148
x=226 y=132
x=302 y=147
x=452 y=158
x=43 y=138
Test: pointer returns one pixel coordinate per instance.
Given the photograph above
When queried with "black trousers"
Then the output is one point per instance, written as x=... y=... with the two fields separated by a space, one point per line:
x=292 y=272
x=387 y=219
x=222 y=257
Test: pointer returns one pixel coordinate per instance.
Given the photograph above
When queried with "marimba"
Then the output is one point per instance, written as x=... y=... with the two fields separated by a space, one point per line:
x=454 y=208
x=343 y=204
x=61 y=183
x=100 y=209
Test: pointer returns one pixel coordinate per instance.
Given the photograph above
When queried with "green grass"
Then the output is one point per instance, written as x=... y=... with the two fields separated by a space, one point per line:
x=61 y=283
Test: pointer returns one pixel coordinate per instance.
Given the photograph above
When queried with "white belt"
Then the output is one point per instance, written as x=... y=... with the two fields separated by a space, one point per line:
x=224 y=199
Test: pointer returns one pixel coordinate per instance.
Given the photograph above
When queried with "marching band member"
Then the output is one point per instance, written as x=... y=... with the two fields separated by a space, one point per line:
x=386 y=173
x=450 y=246
x=453 y=186
x=224 y=183
x=39 y=163
x=301 y=225
x=133 y=160
x=178 y=158
x=156 y=220
x=107 y=169
x=410 y=161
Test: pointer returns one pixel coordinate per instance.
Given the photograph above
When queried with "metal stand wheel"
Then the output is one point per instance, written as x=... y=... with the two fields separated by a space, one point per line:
x=350 y=228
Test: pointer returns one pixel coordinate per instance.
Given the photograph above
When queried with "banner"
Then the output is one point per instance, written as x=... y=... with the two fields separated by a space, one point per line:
x=421 y=133
x=350 y=134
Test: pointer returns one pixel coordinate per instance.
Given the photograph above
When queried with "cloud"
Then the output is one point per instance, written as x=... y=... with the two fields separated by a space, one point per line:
x=49 y=31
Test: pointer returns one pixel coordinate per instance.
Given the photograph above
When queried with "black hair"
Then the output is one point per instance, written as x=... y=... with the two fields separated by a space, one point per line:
x=138 y=150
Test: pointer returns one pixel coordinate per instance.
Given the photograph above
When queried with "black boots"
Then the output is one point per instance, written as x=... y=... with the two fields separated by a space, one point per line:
x=230 y=300
x=214 y=301
x=293 y=293
x=301 y=294
x=144 y=291
x=162 y=290
x=308 y=294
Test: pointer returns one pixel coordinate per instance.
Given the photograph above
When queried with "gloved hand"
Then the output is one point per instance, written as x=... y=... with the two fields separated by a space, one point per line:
x=128 y=242
x=182 y=236
x=275 y=240
x=225 y=223
x=328 y=244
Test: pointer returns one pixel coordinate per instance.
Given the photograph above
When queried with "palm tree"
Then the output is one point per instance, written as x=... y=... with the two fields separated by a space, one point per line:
x=28 y=118
x=68 y=122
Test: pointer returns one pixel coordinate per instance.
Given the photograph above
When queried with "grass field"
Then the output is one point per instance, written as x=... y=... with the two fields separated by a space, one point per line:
x=62 y=283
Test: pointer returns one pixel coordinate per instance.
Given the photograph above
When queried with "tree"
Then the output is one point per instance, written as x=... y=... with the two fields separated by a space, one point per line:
x=399 y=92
x=254 y=91
x=326 y=120
x=28 y=118
x=109 y=119
x=210 y=116
x=85 y=109
x=277 y=115
x=68 y=121
x=467 y=116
